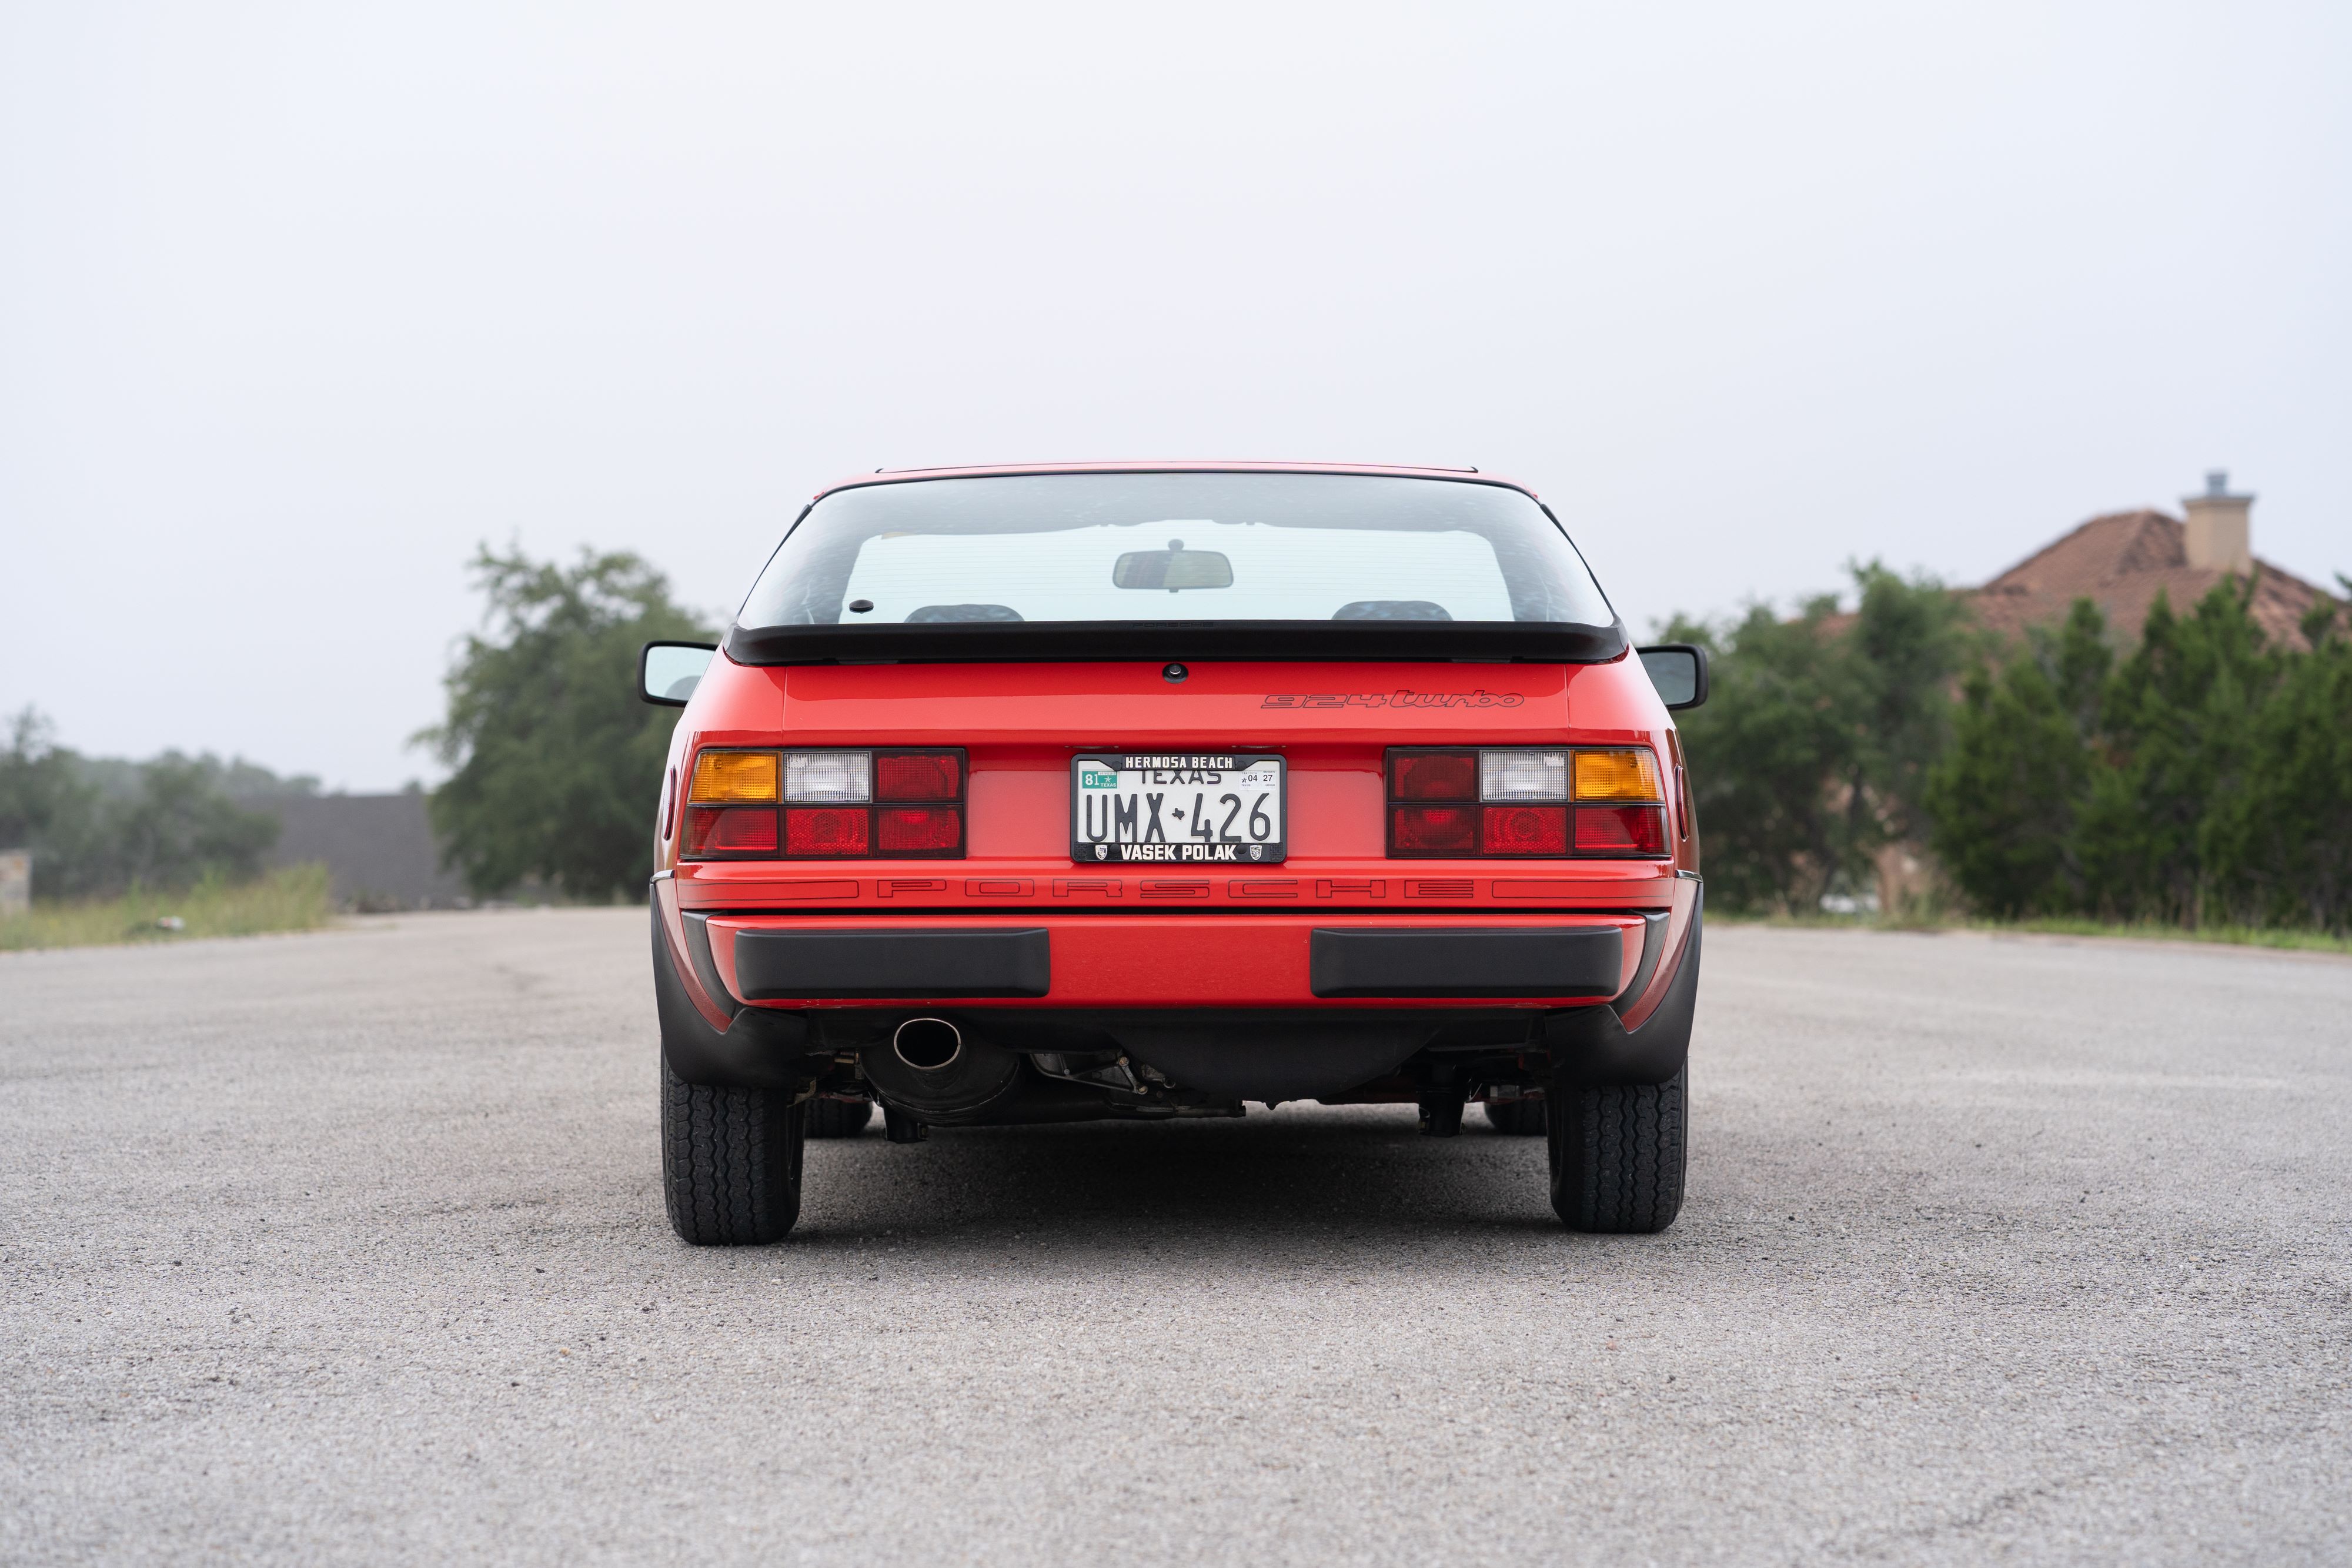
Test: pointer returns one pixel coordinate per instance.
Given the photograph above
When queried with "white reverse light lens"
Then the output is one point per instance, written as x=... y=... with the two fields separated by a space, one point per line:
x=1523 y=775
x=840 y=777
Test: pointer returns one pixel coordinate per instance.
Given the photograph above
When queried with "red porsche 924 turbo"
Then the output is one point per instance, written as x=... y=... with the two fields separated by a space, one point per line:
x=1142 y=790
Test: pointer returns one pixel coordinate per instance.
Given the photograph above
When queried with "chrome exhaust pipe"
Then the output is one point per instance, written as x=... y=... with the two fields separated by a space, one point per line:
x=927 y=1045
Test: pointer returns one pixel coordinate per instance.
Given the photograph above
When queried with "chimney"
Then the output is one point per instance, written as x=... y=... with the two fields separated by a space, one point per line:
x=2219 y=539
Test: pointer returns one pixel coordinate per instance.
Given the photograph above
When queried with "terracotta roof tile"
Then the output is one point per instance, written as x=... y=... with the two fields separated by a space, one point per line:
x=2121 y=562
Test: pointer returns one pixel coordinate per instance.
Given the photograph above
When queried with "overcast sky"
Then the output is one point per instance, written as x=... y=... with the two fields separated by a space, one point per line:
x=299 y=302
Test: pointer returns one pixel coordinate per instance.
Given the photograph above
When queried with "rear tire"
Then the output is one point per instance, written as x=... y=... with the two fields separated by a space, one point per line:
x=731 y=1162
x=1618 y=1155
x=838 y=1118
x=1520 y=1118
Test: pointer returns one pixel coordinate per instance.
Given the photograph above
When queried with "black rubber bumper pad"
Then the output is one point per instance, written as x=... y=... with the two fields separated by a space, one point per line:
x=786 y=965
x=1451 y=961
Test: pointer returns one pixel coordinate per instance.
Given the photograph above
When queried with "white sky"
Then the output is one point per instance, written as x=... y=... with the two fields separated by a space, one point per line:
x=298 y=302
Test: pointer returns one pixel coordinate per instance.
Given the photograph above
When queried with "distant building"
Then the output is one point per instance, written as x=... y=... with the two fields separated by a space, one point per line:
x=2122 y=561
x=16 y=882
x=380 y=850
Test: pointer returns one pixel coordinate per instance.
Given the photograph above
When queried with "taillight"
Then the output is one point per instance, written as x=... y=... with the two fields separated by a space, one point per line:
x=828 y=831
x=1526 y=830
x=835 y=803
x=1433 y=830
x=1535 y=801
x=715 y=830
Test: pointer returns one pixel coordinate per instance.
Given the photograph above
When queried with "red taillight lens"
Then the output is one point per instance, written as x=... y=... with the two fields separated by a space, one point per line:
x=826 y=830
x=917 y=830
x=730 y=830
x=1434 y=830
x=1433 y=775
x=1526 y=830
x=1621 y=829
x=916 y=776
x=1499 y=802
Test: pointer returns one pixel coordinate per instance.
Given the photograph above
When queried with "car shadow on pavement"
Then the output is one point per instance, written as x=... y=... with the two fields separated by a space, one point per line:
x=1311 y=1172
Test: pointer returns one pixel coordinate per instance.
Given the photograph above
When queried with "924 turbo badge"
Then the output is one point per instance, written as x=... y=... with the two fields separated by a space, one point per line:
x=1397 y=699
x=1180 y=808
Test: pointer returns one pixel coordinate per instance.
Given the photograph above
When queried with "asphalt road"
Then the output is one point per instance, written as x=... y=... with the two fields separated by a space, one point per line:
x=348 y=1247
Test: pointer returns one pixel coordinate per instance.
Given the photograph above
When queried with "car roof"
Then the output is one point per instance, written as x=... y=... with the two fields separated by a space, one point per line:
x=1167 y=466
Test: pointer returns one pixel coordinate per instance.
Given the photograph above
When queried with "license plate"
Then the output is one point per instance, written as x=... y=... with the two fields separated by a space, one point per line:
x=1179 y=808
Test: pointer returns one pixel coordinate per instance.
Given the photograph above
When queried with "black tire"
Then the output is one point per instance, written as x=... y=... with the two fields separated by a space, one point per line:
x=1520 y=1118
x=838 y=1118
x=1617 y=1157
x=731 y=1162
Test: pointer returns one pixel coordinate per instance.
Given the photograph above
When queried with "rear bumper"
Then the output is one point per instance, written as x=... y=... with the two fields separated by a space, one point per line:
x=1172 y=960
x=1601 y=997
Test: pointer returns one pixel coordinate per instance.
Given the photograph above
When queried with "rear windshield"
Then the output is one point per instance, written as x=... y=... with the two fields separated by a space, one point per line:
x=1188 y=547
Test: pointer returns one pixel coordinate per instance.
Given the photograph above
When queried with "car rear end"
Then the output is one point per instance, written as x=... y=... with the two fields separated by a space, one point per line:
x=999 y=847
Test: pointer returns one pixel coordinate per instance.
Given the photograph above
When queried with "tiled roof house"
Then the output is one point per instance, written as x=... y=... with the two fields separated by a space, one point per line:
x=2124 y=561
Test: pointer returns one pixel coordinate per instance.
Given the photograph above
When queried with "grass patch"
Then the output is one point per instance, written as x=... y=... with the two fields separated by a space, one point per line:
x=2286 y=938
x=291 y=898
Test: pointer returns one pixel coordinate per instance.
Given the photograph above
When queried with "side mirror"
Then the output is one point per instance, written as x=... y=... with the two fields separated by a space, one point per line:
x=668 y=673
x=1679 y=672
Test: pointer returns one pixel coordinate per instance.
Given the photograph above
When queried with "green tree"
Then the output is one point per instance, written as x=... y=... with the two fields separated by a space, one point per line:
x=48 y=806
x=2278 y=847
x=1762 y=751
x=2178 y=725
x=102 y=825
x=557 y=764
x=1813 y=748
x=2004 y=800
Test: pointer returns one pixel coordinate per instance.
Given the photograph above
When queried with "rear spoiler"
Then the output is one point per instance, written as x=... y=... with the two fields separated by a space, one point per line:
x=1290 y=642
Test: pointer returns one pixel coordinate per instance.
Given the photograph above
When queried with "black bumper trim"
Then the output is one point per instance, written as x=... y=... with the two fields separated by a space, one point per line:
x=788 y=965
x=1452 y=961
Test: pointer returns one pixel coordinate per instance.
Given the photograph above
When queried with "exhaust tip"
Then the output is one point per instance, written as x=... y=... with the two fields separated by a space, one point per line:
x=927 y=1045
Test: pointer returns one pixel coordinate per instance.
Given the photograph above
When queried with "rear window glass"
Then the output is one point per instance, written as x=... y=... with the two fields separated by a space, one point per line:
x=1187 y=546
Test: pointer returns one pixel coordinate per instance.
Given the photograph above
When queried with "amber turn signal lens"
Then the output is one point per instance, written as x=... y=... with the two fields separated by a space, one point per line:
x=726 y=777
x=1629 y=774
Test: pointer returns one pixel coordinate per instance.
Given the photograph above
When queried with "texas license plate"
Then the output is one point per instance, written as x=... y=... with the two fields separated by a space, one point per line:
x=1183 y=808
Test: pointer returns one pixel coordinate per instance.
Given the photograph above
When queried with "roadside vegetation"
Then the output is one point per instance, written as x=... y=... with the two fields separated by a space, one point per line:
x=290 y=898
x=123 y=851
x=556 y=764
x=2197 y=781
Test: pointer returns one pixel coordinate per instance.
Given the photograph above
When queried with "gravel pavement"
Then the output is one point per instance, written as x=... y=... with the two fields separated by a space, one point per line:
x=348 y=1247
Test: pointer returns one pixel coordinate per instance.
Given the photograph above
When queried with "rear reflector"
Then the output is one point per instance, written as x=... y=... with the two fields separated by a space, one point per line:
x=1433 y=775
x=1434 y=830
x=1526 y=830
x=917 y=830
x=916 y=776
x=1621 y=829
x=826 y=830
x=730 y=830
